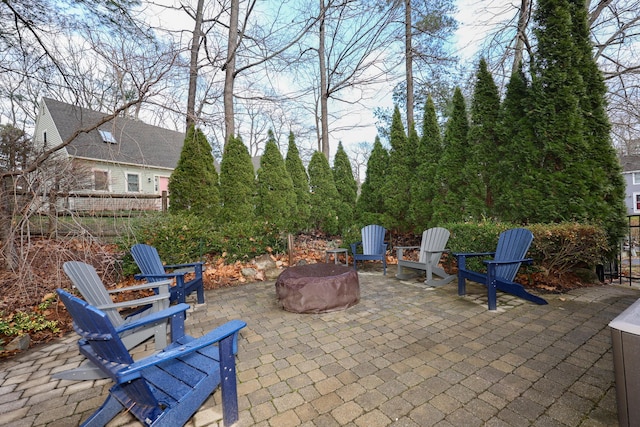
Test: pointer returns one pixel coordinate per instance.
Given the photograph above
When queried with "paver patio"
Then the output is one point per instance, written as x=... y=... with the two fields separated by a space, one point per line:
x=406 y=355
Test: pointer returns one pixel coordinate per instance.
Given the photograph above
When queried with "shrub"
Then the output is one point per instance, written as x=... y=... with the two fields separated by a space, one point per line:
x=324 y=195
x=467 y=237
x=300 y=181
x=237 y=182
x=194 y=183
x=557 y=248
x=21 y=323
x=276 y=197
x=179 y=238
x=245 y=240
x=187 y=238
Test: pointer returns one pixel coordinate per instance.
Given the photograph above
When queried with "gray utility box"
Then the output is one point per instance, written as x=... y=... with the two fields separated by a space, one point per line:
x=625 y=337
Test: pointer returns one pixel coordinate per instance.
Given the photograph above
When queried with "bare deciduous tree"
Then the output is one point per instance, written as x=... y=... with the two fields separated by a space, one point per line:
x=47 y=52
x=353 y=50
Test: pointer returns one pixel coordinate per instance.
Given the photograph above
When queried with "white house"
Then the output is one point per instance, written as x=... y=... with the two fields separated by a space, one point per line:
x=128 y=160
x=631 y=173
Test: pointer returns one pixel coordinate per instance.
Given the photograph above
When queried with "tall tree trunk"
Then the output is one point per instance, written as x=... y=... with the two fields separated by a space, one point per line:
x=9 y=257
x=230 y=71
x=408 y=55
x=193 y=66
x=324 y=95
x=523 y=19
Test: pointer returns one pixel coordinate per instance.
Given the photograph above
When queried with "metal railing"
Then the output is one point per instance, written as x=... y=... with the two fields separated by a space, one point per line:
x=625 y=267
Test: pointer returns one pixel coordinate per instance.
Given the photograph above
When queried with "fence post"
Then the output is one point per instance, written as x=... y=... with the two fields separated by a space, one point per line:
x=165 y=203
x=290 y=248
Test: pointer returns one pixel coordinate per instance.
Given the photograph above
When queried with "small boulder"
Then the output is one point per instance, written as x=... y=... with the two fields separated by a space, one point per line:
x=264 y=262
x=19 y=343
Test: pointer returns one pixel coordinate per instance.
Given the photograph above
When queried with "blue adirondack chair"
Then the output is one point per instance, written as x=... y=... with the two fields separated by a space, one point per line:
x=152 y=269
x=501 y=270
x=373 y=245
x=164 y=389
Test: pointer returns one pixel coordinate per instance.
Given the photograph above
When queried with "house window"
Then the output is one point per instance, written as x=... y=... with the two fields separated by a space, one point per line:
x=636 y=178
x=107 y=136
x=636 y=202
x=133 y=182
x=101 y=180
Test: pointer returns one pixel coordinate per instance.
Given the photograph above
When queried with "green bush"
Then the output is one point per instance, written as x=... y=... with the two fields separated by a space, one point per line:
x=246 y=240
x=194 y=182
x=556 y=248
x=179 y=238
x=468 y=237
x=183 y=238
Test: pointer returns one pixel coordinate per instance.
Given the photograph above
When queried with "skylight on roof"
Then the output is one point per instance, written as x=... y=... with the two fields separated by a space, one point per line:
x=107 y=136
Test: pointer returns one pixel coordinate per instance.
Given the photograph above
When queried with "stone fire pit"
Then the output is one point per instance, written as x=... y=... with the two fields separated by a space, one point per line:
x=318 y=288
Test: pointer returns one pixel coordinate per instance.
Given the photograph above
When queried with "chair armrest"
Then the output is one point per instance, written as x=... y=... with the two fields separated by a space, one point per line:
x=401 y=249
x=155 y=317
x=227 y=330
x=191 y=264
x=140 y=276
x=149 y=285
x=443 y=251
x=510 y=261
x=354 y=246
x=472 y=254
x=135 y=302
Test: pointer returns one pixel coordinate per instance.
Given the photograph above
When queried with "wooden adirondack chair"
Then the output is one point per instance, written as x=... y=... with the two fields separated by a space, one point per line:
x=164 y=389
x=501 y=270
x=86 y=280
x=433 y=244
x=153 y=270
x=373 y=245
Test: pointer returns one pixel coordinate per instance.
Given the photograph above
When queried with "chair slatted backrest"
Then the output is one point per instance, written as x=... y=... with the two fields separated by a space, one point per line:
x=85 y=278
x=148 y=260
x=433 y=240
x=373 y=239
x=512 y=245
x=105 y=345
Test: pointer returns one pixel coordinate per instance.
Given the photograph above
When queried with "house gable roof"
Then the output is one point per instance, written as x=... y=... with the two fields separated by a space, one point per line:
x=630 y=163
x=136 y=142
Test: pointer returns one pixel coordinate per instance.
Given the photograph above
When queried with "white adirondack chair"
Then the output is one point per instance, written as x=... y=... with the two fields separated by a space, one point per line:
x=85 y=278
x=434 y=241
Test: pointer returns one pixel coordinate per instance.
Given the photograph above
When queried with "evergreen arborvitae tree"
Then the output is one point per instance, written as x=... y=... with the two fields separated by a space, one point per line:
x=606 y=186
x=397 y=187
x=517 y=196
x=323 y=195
x=193 y=185
x=428 y=154
x=237 y=182
x=346 y=186
x=450 y=199
x=300 y=181
x=560 y=124
x=370 y=203
x=275 y=196
x=484 y=142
